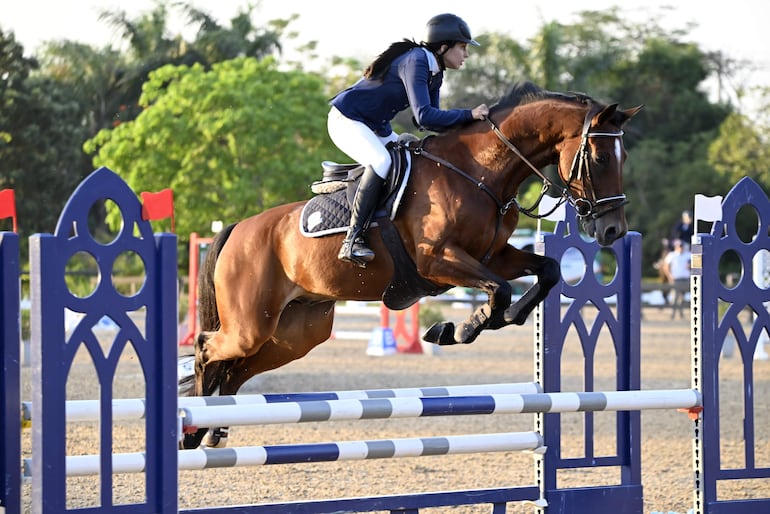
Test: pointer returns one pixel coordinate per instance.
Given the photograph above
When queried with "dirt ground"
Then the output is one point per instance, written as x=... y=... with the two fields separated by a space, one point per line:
x=501 y=356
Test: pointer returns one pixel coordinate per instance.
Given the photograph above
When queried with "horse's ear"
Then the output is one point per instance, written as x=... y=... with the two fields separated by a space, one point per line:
x=612 y=114
x=624 y=116
x=605 y=114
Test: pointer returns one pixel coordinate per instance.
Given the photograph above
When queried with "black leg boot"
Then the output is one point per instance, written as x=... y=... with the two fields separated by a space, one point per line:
x=354 y=248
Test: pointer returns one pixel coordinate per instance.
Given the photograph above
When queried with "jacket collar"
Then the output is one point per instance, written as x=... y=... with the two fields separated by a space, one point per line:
x=433 y=64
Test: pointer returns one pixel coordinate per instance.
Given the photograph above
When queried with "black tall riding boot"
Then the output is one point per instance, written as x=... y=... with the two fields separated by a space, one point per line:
x=354 y=248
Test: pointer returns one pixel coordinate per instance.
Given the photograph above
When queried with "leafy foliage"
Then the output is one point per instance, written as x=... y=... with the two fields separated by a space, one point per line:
x=618 y=62
x=230 y=141
x=40 y=152
x=741 y=150
x=234 y=131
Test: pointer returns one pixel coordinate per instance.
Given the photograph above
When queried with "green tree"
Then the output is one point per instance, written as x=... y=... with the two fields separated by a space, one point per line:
x=148 y=34
x=215 y=42
x=668 y=141
x=102 y=85
x=230 y=141
x=547 y=64
x=668 y=76
x=488 y=74
x=629 y=62
x=742 y=150
x=96 y=77
x=152 y=45
x=40 y=155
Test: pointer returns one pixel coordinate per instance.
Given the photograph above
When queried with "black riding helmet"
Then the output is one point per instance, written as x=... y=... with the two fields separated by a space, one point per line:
x=448 y=27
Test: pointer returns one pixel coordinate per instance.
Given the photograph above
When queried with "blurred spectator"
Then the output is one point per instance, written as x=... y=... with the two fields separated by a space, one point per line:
x=683 y=230
x=676 y=268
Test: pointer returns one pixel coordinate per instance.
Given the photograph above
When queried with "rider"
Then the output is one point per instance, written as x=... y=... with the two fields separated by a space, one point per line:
x=407 y=74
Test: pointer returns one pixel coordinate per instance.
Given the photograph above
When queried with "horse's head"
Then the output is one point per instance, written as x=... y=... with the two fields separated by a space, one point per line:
x=581 y=136
x=590 y=163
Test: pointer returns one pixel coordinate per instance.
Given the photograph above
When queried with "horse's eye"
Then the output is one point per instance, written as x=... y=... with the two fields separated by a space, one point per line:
x=602 y=158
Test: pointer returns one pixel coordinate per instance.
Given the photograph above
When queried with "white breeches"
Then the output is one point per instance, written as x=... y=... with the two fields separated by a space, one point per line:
x=359 y=142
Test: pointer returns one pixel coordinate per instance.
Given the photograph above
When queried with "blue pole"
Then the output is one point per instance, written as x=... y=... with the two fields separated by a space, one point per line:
x=10 y=496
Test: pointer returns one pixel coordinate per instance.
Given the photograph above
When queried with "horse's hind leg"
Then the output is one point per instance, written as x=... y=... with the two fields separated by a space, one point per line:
x=208 y=378
x=301 y=328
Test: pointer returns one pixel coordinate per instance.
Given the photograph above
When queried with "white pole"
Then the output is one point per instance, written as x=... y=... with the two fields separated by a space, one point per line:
x=86 y=465
x=382 y=408
x=761 y=273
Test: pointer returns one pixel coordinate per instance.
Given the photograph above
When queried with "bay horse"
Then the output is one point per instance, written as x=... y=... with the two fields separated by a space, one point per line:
x=267 y=292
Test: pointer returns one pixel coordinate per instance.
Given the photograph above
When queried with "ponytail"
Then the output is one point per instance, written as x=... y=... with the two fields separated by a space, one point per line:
x=379 y=67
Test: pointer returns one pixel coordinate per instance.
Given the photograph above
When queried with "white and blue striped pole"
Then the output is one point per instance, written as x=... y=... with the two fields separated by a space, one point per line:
x=336 y=410
x=85 y=465
x=134 y=408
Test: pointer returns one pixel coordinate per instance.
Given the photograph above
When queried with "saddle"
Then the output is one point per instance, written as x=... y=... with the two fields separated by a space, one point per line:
x=329 y=213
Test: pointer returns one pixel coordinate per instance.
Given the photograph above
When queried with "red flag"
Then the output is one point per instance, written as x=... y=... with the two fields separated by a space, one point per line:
x=157 y=206
x=8 y=206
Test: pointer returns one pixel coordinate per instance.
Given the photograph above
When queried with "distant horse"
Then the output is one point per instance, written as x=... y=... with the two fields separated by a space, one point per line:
x=267 y=292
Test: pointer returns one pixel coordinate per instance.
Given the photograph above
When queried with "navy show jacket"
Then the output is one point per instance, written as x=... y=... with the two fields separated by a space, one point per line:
x=413 y=79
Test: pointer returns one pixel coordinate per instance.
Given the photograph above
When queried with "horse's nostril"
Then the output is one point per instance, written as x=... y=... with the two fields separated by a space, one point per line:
x=613 y=233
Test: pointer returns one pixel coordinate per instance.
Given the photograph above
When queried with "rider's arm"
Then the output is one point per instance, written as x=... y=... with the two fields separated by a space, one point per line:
x=415 y=74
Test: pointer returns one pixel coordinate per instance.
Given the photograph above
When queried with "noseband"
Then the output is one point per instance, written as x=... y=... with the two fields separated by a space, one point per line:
x=580 y=170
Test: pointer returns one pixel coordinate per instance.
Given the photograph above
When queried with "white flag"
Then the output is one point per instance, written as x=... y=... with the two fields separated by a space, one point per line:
x=708 y=208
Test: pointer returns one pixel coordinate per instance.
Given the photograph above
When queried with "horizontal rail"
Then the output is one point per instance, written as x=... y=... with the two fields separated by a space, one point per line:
x=131 y=409
x=85 y=465
x=335 y=410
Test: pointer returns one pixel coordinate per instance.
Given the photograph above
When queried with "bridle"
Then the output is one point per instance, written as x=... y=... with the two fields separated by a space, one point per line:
x=593 y=208
x=580 y=170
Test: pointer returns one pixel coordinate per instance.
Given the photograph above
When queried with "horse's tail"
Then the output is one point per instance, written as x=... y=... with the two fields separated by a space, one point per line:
x=207 y=303
x=197 y=384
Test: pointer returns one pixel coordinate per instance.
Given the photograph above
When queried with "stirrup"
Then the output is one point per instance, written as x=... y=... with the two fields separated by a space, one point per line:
x=356 y=251
x=361 y=250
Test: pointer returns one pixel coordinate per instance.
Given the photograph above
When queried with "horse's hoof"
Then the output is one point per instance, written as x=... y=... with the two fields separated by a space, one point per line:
x=468 y=331
x=441 y=333
x=190 y=441
x=217 y=438
x=216 y=442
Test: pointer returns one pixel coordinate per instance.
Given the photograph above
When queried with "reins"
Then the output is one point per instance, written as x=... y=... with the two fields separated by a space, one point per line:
x=547 y=184
x=503 y=206
x=580 y=170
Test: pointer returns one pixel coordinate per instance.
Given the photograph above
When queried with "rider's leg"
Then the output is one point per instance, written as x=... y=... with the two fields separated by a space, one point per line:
x=361 y=144
x=354 y=247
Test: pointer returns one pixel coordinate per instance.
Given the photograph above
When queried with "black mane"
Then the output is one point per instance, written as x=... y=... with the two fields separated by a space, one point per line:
x=526 y=92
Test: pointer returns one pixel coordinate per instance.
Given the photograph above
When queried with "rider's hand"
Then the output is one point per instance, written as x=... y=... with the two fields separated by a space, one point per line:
x=480 y=112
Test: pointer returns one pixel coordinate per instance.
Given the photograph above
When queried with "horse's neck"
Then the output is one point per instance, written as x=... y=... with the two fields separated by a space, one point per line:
x=536 y=136
x=501 y=158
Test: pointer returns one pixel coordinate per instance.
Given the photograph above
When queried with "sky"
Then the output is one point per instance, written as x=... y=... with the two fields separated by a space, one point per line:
x=363 y=29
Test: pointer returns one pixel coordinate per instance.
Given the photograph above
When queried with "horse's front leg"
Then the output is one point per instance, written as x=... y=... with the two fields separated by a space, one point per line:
x=488 y=315
x=519 y=311
x=548 y=273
